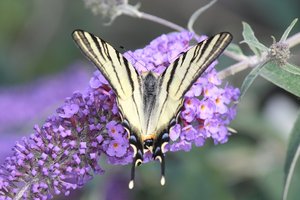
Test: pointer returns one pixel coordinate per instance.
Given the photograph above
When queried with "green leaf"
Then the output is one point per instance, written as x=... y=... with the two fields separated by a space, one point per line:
x=234 y=48
x=281 y=77
x=288 y=30
x=251 y=40
x=250 y=78
x=292 y=69
x=293 y=153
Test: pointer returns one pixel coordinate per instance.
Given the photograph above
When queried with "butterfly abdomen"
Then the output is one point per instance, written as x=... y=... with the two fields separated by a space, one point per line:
x=149 y=96
x=150 y=84
x=149 y=91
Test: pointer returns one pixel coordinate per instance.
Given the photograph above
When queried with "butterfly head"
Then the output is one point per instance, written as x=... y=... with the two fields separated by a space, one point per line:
x=148 y=145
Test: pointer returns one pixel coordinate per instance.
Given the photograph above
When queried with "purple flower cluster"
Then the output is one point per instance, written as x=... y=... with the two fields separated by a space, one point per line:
x=205 y=117
x=64 y=153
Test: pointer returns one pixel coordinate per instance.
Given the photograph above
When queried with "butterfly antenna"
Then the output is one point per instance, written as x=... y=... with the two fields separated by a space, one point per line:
x=136 y=61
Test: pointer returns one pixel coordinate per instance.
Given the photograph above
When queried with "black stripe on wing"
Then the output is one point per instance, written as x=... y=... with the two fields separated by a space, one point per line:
x=185 y=70
x=120 y=74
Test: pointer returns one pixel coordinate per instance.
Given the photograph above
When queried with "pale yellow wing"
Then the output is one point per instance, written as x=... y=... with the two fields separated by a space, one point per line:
x=184 y=71
x=180 y=76
x=121 y=75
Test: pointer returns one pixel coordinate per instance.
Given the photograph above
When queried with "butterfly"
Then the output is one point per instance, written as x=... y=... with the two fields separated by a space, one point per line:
x=149 y=104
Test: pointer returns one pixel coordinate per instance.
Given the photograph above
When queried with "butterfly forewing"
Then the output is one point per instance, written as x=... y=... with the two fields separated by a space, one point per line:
x=183 y=72
x=180 y=76
x=121 y=75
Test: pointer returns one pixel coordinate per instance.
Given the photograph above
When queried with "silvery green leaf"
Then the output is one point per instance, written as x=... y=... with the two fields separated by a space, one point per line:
x=250 y=79
x=292 y=69
x=281 y=77
x=288 y=30
x=252 y=41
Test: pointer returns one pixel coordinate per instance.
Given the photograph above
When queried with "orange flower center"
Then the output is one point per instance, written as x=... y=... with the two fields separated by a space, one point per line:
x=115 y=145
x=202 y=107
x=206 y=92
x=189 y=102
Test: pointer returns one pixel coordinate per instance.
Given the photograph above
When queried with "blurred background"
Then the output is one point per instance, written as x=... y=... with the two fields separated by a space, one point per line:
x=40 y=66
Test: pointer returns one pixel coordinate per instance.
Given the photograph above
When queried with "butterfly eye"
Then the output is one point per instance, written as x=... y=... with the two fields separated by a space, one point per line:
x=148 y=143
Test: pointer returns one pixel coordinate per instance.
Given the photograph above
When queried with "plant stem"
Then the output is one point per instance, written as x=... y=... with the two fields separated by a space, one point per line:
x=293 y=40
x=21 y=192
x=153 y=18
x=235 y=68
x=162 y=21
